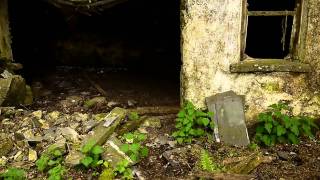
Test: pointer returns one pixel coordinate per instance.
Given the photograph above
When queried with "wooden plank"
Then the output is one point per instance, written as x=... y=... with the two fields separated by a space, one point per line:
x=5 y=40
x=271 y=13
x=244 y=28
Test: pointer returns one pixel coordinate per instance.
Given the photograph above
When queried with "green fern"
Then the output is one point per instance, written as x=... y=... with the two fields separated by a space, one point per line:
x=207 y=164
x=206 y=161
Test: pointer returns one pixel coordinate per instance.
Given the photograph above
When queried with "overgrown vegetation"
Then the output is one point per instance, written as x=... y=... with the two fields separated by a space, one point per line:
x=13 y=174
x=191 y=123
x=92 y=154
x=133 y=147
x=278 y=125
x=124 y=170
x=51 y=162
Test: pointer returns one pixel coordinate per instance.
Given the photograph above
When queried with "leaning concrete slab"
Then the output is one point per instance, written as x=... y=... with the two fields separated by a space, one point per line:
x=229 y=118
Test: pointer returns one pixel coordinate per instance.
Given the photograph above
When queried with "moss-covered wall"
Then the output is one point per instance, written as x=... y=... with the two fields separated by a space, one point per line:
x=5 y=41
x=211 y=42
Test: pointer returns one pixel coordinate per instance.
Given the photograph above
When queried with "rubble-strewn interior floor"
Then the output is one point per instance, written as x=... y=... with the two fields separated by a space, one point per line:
x=81 y=67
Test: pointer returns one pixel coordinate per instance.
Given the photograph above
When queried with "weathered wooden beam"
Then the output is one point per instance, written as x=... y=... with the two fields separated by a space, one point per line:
x=271 y=13
x=5 y=40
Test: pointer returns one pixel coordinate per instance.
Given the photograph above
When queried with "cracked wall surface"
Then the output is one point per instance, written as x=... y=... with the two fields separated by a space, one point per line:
x=211 y=42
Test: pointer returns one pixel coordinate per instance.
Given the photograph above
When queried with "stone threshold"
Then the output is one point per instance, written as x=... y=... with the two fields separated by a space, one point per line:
x=269 y=65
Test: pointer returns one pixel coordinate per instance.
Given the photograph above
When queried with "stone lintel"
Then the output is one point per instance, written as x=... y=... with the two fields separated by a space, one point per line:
x=269 y=65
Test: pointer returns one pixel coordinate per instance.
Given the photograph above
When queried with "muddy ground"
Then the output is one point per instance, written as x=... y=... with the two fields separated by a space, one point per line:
x=65 y=90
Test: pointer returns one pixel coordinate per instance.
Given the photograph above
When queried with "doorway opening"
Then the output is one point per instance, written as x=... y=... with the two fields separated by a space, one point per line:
x=131 y=51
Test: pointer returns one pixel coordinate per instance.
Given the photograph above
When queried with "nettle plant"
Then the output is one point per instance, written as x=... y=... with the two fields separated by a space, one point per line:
x=51 y=162
x=133 y=147
x=191 y=123
x=277 y=125
x=92 y=154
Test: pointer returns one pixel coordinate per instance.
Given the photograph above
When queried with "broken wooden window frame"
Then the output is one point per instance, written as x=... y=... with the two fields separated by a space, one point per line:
x=293 y=61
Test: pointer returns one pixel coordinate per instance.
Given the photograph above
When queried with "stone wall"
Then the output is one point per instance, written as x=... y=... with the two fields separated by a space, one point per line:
x=211 y=42
x=5 y=41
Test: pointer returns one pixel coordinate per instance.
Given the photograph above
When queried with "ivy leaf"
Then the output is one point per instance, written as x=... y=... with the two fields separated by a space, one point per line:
x=281 y=130
x=134 y=157
x=260 y=129
x=205 y=121
x=295 y=129
x=144 y=152
x=97 y=150
x=268 y=127
x=42 y=163
x=293 y=138
x=180 y=140
x=175 y=134
x=87 y=161
x=124 y=148
x=181 y=114
x=141 y=137
x=307 y=130
x=88 y=146
x=52 y=162
x=135 y=147
x=266 y=140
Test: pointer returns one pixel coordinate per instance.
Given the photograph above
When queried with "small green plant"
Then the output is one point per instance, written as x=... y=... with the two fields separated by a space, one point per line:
x=253 y=146
x=133 y=116
x=207 y=164
x=52 y=162
x=133 y=147
x=92 y=154
x=122 y=169
x=192 y=122
x=13 y=174
x=277 y=125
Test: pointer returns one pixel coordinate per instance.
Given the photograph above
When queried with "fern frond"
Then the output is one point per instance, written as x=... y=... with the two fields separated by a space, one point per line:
x=206 y=161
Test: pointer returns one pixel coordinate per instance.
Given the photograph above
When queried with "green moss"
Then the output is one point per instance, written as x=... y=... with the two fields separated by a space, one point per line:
x=271 y=87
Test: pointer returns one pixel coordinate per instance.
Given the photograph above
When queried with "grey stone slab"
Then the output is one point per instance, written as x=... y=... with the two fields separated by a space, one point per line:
x=229 y=118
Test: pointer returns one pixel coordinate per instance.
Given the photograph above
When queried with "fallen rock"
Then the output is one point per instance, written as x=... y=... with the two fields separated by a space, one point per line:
x=132 y=103
x=222 y=176
x=130 y=125
x=100 y=117
x=248 y=164
x=12 y=91
x=96 y=101
x=3 y=161
x=112 y=154
x=152 y=122
x=112 y=104
x=74 y=158
x=105 y=128
x=37 y=114
x=54 y=115
x=287 y=156
x=69 y=133
x=6 y=144
x=18 y=156
x=80 y=117
x=89 y=125
x=32 y=157
x=59 y=145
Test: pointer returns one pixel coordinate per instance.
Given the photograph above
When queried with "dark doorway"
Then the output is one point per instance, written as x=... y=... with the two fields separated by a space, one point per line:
x=131 y=50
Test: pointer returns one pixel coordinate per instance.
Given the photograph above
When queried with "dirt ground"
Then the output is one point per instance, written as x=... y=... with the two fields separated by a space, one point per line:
x=123 y=89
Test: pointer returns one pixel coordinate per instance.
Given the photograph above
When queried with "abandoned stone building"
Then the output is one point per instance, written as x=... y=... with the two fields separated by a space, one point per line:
x=266 y=50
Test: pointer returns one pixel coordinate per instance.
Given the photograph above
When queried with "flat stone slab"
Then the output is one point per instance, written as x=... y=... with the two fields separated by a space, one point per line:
x=105 y=128
x=229 y=118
